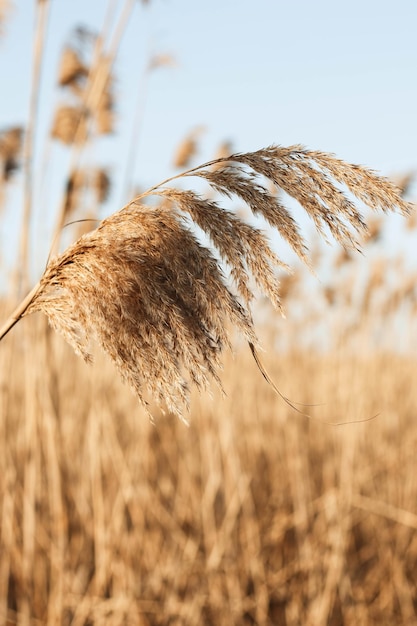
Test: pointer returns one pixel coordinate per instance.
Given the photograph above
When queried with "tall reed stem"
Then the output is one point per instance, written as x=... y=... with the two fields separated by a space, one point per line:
x=42 y=12
x=18 y=312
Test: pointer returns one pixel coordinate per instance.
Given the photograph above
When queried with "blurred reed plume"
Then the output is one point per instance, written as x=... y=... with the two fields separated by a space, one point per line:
x=225 y=149
x=72 y=70
x=187 y=149
x=405 y=181
x=69 y=125
x=85 y=76
x=156 y=299
x=96 y=180
x=10 y=151
x=11 y=143
x=164 y=59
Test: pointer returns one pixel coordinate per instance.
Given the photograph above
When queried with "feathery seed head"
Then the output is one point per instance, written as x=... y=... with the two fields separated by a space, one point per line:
x=156 y=298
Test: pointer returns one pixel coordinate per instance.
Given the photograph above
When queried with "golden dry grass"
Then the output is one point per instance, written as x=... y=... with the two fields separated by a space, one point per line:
x=252 y=515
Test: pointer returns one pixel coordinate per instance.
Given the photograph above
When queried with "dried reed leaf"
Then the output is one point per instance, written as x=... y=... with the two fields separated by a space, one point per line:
x=156 y=299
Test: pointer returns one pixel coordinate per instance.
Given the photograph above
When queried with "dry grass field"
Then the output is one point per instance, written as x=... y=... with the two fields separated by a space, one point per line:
x=265 y=510
x=253 y=514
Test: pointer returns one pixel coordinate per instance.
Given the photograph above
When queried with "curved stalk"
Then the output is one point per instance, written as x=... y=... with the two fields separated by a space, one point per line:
x=19 y=311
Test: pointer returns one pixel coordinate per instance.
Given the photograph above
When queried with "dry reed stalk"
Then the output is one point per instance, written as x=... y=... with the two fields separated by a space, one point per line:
x=42 y=13
x=105 y=114
x=8 y=492
x=31 y=463
x=96 y=98
x=49 y=440
x=187 y=498
x=156 y=299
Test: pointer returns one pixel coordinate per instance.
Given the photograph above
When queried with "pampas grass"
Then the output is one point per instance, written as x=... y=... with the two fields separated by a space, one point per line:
x=157 y=300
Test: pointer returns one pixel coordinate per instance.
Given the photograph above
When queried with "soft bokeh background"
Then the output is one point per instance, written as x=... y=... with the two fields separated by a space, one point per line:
x=333 y=76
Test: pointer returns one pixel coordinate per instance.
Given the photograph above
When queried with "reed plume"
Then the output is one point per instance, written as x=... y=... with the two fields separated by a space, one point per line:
x=77 y=75
x=187 y=149
x=81 y=180
x=69 y=125
x=157 y=299
x=72 y=70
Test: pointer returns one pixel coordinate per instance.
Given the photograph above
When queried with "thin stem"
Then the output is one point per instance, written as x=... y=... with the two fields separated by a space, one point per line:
x=120 y=28
x=38 y=47
x=189 y=172
x=19 y=311
x=134 y=138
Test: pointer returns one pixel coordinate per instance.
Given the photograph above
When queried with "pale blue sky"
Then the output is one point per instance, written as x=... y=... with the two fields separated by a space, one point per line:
x=334 y=76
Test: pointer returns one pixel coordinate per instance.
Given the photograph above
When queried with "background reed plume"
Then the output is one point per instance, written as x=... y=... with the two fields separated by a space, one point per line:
x=156 y=299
